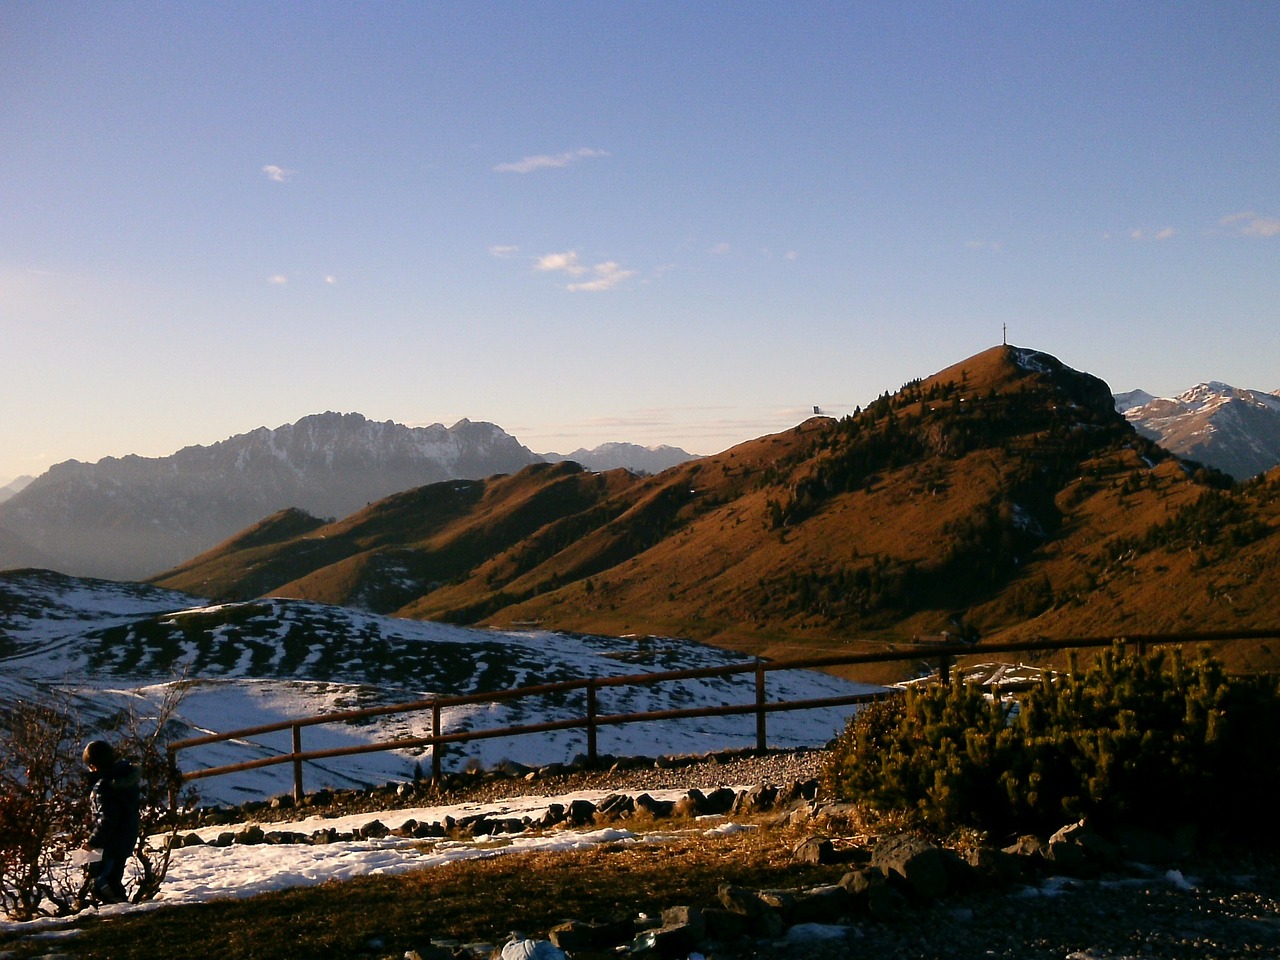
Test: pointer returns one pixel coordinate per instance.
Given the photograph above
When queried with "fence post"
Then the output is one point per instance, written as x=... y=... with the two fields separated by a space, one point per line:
x=591 y=721
x=944 y=670
x=297 y=763
x=761 y=733
x=437 y=749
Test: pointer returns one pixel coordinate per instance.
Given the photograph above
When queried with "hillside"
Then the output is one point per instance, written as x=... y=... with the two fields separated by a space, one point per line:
x=1005 y=491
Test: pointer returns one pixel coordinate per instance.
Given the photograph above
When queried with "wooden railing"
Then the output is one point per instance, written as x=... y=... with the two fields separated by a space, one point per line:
x=943 y=652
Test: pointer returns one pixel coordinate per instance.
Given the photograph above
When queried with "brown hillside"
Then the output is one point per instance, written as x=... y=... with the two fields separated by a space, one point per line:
x=1004 y=491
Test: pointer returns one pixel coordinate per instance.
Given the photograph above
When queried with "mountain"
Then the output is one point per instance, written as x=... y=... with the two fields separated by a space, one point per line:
x=108 y=646
x=1005 y=491
x=1232 y=430
x=627 y=456
x=14 y=486
x=128 y=517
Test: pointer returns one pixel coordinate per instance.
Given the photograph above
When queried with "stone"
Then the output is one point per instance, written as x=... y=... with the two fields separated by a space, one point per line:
x=658 y=809
x=826 y=904
x=581 y=812
x=574 y=936
x=814 y=850
x=914 y=863
x=690 y=917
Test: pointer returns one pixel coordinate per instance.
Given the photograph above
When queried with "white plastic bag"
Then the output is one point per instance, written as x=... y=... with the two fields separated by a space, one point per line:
x=532 y=950
x=82 y=857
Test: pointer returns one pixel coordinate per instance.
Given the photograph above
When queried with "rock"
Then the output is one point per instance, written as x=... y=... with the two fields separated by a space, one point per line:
x=827 y=904
x=916 y=864
x=667 y=942
x=762 y=919
x=720 y=800
x=814 y=850
x=658 y=809
x=1027 y=846
x=690 y=917
x=574 y=936
x=373 y=830
x=692 y=804
x=759 y=798
x=581 y=812
x=250 y=835
x=555 y=814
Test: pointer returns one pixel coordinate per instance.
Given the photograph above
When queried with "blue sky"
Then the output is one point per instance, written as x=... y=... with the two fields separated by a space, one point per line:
x=680 y=223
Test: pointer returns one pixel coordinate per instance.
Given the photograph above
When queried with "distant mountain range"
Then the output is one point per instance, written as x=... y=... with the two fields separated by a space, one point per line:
x=1233 y=430
x=126 y=518
x=129 y=517
x=628 y=456
x=13 y=486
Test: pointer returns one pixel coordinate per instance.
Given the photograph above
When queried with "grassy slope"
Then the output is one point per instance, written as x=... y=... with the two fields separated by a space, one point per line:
x=823 y=537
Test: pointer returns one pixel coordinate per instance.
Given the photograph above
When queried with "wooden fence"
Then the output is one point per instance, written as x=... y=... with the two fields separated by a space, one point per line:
x=944 y=653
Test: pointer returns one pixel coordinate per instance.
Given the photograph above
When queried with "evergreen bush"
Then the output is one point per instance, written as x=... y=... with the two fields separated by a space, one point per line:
x=1148 y=739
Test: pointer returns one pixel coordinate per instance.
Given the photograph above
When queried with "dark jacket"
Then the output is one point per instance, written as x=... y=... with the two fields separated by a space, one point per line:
x=115 y=802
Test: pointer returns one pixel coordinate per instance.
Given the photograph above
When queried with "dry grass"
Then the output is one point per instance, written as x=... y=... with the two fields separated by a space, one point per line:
x=464 y=901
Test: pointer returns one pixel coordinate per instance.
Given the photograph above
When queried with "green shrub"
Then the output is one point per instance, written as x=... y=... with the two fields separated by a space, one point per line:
x=1133 y=738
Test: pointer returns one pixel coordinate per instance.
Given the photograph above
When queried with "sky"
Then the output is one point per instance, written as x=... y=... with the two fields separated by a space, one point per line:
x=655 y=223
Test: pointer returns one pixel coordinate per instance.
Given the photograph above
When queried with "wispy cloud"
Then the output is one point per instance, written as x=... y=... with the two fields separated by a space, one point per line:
x=276 y=174
x=331 y=280
x=720 y=249
x=1250 y=224
x=605 y=275
x=608 y=275
x=549 y=160
x=504 y=252
x=568 y=262
x=277 y=279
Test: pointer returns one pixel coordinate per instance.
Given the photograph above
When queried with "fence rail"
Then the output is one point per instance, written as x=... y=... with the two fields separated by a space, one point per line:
x=944 y=653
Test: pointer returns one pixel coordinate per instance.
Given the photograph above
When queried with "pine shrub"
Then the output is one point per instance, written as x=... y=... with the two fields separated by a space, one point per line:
x=1150 y=739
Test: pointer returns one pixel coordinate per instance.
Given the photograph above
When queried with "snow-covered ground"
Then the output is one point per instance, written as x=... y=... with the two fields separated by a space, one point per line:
x=113 y=645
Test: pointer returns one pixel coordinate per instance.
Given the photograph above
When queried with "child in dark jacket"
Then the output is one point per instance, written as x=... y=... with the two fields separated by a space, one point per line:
x=114 y=800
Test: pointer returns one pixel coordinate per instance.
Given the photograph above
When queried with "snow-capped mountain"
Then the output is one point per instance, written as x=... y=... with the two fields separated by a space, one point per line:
x=256 y=663
x=632 y=456
x=1237 y=431
x=129 y=517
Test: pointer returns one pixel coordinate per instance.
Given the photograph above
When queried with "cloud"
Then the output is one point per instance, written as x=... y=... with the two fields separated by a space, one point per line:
x=277 y=279
x=331 y=280
x=1164 y=233
x=504 y=251
x=608 y=275
x=719 y=250
x=790 y=255
x=1250 y=224
x=546 y=161
x=276 y=174
x=568 y=262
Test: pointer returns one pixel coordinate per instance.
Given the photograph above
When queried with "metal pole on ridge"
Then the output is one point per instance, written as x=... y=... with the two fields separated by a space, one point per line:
x=591 y=721
x=762 y=738
x=297 y=763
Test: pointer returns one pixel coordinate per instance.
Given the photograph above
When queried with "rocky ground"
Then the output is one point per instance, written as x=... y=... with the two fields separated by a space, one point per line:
x=1216 y=903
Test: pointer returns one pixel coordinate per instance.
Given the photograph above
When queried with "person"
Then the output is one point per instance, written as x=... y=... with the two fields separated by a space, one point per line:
x=115 y=804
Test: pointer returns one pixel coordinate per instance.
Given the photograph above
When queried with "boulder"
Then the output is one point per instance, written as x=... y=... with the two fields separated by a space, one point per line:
x=814 y=850
x=913 y=863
